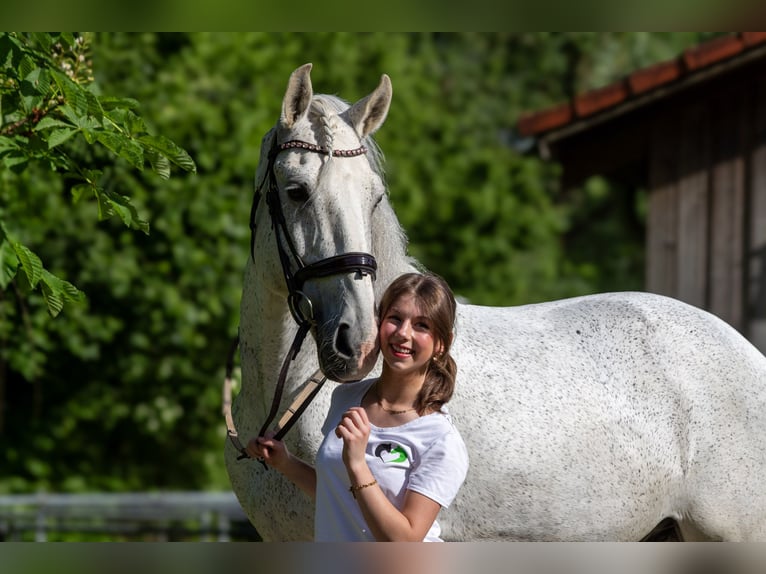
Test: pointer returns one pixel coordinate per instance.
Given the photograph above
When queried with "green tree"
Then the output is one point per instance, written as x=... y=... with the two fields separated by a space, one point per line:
x=59 y=139
x=47 y=97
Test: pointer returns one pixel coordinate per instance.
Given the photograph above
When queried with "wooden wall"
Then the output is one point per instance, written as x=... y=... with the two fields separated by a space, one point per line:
x=706 y=228
x=701 y=154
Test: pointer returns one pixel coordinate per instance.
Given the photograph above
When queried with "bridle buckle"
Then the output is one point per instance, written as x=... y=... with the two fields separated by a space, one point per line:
x=302 y=315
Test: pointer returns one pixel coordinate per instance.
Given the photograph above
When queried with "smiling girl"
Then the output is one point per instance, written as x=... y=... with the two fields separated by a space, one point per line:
x=391 y=457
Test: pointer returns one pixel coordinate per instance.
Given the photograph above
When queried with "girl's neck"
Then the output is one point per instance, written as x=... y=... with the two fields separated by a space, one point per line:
x=399 y=389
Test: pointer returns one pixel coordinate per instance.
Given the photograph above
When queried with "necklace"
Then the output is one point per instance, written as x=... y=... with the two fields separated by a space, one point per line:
x=389 y=411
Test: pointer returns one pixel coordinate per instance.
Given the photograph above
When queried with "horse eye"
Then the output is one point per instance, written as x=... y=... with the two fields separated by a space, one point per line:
x=297 y=192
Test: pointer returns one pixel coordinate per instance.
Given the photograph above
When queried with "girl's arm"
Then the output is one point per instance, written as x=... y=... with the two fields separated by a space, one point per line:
x=276 y=455
x=385 y=521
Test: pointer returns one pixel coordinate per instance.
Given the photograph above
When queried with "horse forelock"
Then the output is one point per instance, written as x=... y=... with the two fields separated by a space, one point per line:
x=324 y=113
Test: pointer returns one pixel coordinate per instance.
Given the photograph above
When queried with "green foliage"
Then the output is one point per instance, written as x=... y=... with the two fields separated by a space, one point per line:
x=122 y=391
x=47 y=97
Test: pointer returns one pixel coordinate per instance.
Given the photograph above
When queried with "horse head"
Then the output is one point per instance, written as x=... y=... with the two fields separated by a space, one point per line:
x=323 y=182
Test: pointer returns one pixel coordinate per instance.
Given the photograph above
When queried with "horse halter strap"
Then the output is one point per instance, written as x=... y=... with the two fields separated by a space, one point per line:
x=362 y=263
x=296 y=273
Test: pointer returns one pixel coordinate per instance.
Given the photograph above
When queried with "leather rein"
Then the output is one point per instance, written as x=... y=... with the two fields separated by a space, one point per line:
x=296 y=273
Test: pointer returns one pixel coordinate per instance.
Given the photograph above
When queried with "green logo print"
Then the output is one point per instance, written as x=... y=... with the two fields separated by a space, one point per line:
x=390 y=453
x=401 y=456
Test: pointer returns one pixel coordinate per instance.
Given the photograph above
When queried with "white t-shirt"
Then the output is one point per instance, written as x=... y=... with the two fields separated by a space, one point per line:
x=425 y=455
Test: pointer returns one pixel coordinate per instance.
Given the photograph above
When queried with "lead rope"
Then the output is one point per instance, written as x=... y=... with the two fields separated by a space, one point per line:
x=310 y=389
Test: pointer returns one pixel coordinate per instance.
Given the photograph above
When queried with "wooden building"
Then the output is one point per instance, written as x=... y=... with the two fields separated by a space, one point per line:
x=692 y=132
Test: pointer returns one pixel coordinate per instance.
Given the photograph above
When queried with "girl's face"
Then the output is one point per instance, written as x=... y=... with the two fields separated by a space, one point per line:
x=407 y=341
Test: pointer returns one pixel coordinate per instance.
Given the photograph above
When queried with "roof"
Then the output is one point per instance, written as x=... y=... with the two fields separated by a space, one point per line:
x=644 y=85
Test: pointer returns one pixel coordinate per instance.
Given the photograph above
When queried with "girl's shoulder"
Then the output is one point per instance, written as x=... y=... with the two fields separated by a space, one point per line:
x=434 y=425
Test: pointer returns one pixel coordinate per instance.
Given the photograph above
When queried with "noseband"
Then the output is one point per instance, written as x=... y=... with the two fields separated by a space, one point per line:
x=296 y=272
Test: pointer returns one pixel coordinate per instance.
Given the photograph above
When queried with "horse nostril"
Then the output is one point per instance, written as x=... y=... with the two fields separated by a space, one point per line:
x=342 y=343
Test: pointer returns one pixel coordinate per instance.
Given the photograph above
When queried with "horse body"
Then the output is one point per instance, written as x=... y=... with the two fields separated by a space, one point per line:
x=590 y=418
x=593 y=418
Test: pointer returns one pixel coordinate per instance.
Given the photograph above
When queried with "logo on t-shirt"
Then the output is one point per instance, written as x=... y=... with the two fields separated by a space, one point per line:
x=388 y=452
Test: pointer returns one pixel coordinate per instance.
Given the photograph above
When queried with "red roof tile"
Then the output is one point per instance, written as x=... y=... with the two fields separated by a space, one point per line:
x=712 y=51
x=639 y=82
x=597 y=100
x=546 y=120
x=648 y=78
x=753 y=38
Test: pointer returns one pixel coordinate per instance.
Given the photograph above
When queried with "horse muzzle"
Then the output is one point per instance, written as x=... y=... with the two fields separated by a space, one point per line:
x=346 y=353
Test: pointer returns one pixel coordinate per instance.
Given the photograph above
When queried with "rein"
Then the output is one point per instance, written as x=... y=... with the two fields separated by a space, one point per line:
x=300 y=305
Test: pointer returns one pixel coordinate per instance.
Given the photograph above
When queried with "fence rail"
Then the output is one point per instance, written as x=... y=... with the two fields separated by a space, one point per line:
x=160 y=516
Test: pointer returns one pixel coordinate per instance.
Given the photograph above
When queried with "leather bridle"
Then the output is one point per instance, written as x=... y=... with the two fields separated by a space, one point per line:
x=296 y=272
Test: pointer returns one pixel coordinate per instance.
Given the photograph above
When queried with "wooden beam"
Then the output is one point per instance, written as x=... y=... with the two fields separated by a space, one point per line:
x=755 y=311
x=694 y=154
x=727 y=208
x=662 y=219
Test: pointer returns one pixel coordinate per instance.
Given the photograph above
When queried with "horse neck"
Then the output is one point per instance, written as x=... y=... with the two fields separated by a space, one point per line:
x=270 y=333
x=390 y=247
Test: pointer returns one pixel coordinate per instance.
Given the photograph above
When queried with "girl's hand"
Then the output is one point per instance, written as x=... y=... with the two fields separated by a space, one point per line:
x=354 y=429
x=272 y=452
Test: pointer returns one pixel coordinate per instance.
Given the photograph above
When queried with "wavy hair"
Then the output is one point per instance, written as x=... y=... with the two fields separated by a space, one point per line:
x=437 y=302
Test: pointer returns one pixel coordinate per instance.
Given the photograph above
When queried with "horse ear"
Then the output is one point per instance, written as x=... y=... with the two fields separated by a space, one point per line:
x=297 y=97
x=369 y=113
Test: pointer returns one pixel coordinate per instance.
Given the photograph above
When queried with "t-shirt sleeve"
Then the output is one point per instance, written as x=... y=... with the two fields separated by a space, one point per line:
x=442 y=469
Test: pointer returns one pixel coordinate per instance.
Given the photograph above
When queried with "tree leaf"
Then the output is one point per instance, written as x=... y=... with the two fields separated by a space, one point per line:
x=7 y=143
x=104 y=205
x=57 y=137
x=56 y=291
x=30 y=263
x=123 y=146
x=74 y=94
x=11 y=51
x=51 y=122
x=15 y=160
x=27 y=66
x=134 y=124
x=42 y=82
x=78 y=190
x=53 y=299
x=173 y=152
x=160 y=163
x=121 y=205
x=95 y=110
x=9 y=263
x=109 y=103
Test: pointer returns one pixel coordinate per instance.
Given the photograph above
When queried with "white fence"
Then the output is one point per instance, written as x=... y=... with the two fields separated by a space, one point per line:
x=140 y=516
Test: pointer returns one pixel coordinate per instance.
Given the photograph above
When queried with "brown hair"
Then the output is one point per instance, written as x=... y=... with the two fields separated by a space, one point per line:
x=437 y=302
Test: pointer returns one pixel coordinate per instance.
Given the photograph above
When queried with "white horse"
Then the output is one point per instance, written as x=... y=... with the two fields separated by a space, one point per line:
x=591 y=418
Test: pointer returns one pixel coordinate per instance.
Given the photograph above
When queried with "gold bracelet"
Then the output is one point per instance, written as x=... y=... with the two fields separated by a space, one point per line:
x=354 y=487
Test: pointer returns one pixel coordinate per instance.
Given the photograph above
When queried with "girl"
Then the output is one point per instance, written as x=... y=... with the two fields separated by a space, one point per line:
x=391 y=457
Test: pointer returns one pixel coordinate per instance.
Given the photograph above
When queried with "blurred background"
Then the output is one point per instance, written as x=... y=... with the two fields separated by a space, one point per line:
x=121 y=393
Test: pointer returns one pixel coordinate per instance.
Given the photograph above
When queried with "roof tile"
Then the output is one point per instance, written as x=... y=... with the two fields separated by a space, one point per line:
x=639 y=82
x=654 y=76
x=712 y=51
x=753 y=38
x=545 y=120
x=602 y=98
